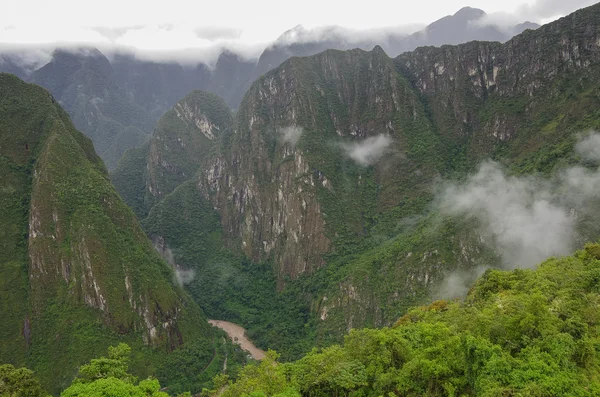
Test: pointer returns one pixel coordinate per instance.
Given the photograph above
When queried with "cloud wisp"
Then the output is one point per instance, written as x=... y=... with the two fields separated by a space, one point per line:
x=520 y=216
x=525 y=219
x=291 y=135
x=368 y=151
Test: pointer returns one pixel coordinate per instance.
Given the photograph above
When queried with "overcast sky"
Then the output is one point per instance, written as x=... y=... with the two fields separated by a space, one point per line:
x=247 y=25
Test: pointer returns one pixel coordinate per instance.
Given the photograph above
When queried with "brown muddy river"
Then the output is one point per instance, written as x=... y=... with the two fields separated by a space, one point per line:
x=238 y=336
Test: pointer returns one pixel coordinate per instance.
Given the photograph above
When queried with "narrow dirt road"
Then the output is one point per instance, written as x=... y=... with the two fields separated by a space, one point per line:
x=238 y=335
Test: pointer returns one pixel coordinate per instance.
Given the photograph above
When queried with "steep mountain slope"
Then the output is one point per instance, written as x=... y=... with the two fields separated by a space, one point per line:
x=84 y=83
x=117 y=103
x=329 y=171
x=78 y=273
x=181 y=141
x=522 y=103
x=525 y=332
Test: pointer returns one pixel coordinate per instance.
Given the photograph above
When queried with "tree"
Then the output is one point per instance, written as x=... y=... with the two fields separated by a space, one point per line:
x=108 y=377
x=19 y=382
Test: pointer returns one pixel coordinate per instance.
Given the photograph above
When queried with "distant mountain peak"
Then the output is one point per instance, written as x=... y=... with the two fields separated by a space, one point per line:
x=87 y=52
x=378 y=50
x=470 y=13
x=526 y=25
x=291 y=34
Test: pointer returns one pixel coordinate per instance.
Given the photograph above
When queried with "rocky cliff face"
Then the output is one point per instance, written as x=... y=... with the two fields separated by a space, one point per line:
x=286 y=171
x=458 y=82
x=74 y=250
x=181 y=141
x=331 y=161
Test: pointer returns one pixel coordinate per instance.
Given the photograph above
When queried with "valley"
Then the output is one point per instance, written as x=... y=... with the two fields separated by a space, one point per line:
x=238 y=335
x=416 y=216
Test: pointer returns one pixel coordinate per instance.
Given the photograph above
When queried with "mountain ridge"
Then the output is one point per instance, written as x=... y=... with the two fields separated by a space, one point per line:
x=78 y=271
x=308 y=179
x=118 y=104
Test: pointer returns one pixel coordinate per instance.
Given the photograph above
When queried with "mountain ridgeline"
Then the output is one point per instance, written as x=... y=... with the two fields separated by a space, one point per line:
x=116 y=102
x=78 y=272
x=322 y=184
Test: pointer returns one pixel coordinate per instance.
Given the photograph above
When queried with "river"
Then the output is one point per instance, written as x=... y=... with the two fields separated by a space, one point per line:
x=238 y=335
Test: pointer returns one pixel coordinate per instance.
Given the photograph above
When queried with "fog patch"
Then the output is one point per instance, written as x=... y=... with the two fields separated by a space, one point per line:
x=184 y=276
x=181 y=276
x=525 y=219
x=456 y=284
x=27 y=58
x=369 y=151
x=302 y=34
x=520 y=215
x=291 y=135
x=588 y=147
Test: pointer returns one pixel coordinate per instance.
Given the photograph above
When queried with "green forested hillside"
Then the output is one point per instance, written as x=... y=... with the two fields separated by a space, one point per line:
x=518 y=333
x=330 y=176
x=78 y=272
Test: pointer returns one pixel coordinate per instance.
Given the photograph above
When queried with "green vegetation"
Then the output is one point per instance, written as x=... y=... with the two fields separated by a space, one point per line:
x=108 y=376
x=525 y=332
x=19 y=382
x=383 y=247
x=78 y=272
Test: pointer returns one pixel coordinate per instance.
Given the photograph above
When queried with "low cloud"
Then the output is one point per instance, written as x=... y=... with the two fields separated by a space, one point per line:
x=589 y=147
x=543 y=9
x=183 y=276
x=457 y=284
x=519 y=215
x=365 y=38
x=527 y=218
x=184 y=43
x=540 y=11
x=216 y=33
x=291 y=135
x=368 y=151
x=27 y=58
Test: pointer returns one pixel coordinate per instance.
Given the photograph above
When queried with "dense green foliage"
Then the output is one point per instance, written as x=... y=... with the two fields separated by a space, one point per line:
x=78 y=272
x=19 y=382
x=228 y=286
x=446 y=110
x=108 y=376
x=525 y=332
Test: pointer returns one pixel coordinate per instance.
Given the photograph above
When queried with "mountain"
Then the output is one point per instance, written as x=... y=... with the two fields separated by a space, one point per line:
x=78 y=272
x=116 y=103
x=465 y=25
x=327 y=178
x=516 y=333
x=84 y=83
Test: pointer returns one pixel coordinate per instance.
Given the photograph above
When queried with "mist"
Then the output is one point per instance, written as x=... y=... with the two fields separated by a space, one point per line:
x=291 y=135
x=301 y=34
x=543 y=9
x=521 y=216
x=368 y=151
x=181 y=276
x=525 y=219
